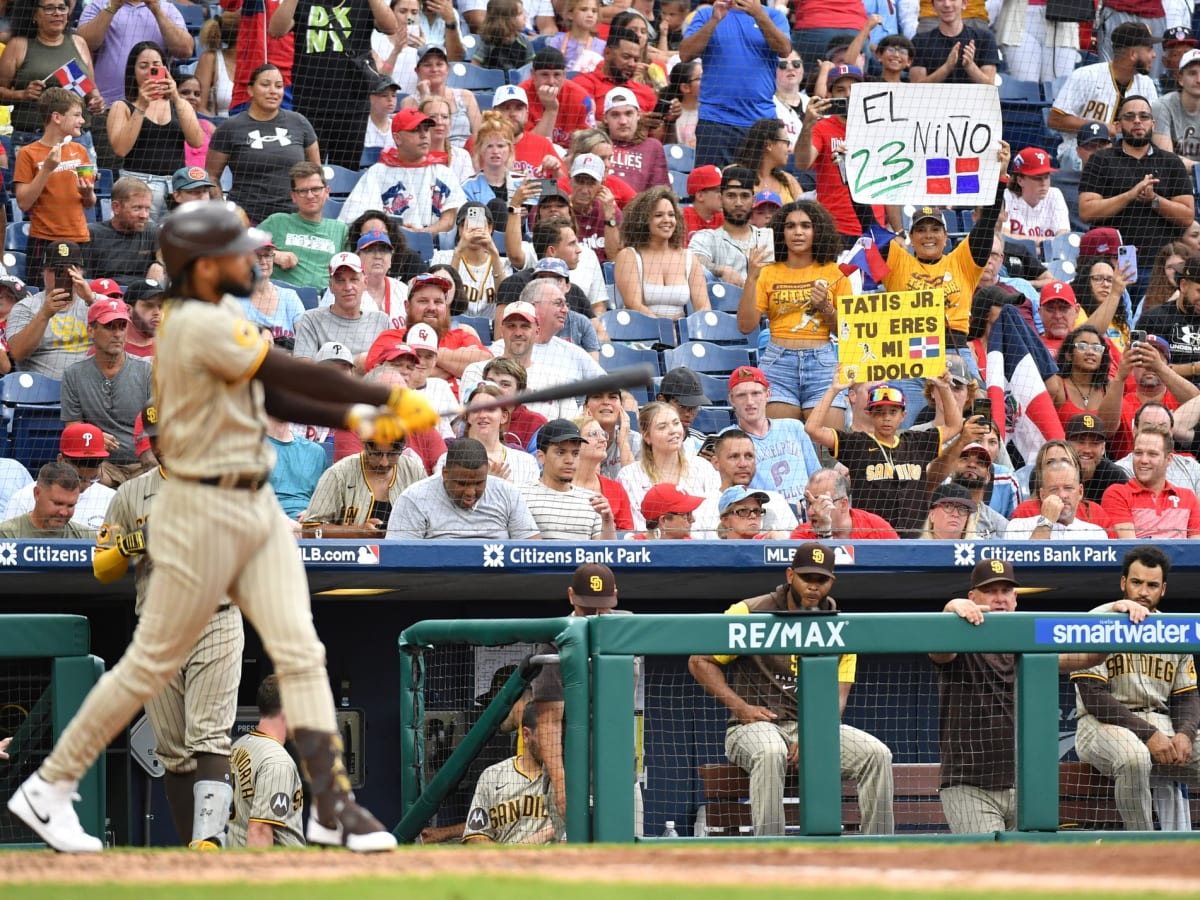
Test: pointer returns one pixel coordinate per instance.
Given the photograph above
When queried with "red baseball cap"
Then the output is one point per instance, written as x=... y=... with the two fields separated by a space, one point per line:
x=409 y=120
x=743 y=374
x=1100 y=242
x=104 y=311
x=106 y=287
x=387 y=340
x=1060 y=292
x=1032 y=161
x=82 y=441
x=702 y=178
x=667 y=498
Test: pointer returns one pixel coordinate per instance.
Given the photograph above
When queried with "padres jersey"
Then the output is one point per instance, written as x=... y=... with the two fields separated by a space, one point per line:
x=266 y=788
x=211 y=410
x=129 y=511
x=511 y=807
x=1143 y=682
x=1092 y=93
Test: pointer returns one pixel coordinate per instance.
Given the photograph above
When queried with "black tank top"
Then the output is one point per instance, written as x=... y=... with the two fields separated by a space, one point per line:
x=159 y=148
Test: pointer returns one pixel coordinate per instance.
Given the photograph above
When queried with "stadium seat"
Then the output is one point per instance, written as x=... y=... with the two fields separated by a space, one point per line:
x=715 y=387
x=481 y=324
x=422 y=242
x=628 y=325
x=14 y=263
x=679 y=184
x=680 y=158
x=31 y=404
x=516 y=76
x=104 y=183
x=16 y=236
x=333 y=207
x=1061 y=269
x=1025 y=244
x=539 y=42
x=1050 y=89
x=724 y=297
x=370 y=156
x=1062 y=246
x=1014 y=91
x=483 y=99
x=713 y=359
x=341 y=181
x=473 y=78
x=309 y=296
x=609 y=270
x=714 y=326
x=618 y=355
x=713 y=419
x=193 y=17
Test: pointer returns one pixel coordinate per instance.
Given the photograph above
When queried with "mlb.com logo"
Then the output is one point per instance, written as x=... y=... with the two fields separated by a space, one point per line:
x=368 y=555
x=781 y=555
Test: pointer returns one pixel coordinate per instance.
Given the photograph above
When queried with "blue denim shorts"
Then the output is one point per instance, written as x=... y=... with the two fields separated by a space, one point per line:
x=800 y=377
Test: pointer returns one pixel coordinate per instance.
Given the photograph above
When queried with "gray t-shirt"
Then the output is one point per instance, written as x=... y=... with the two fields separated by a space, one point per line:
x=259 y=156
x=319 y=326
x=112 y=405
x=65 y=340
x=1170 y=118
x=562 y=515
x=426 y=511
x=715 y=248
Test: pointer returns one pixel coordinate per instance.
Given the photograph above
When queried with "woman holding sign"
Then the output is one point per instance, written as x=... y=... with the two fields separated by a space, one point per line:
x=797 y=293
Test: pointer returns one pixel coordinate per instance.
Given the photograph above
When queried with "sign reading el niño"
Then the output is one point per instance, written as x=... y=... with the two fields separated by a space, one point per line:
x=924 y=144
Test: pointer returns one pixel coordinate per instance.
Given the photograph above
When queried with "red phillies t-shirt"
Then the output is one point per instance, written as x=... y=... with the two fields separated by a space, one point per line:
x=598 y=84
x=576 y=110
x=693 y=223
x=531 y=149
x=829 y=135
x=1171 y=514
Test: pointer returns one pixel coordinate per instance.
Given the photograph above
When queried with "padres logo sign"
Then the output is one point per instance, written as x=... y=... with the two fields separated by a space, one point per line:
x=596 y=583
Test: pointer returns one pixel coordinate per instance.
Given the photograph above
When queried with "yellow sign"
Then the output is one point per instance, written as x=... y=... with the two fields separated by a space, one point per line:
x=892 y=335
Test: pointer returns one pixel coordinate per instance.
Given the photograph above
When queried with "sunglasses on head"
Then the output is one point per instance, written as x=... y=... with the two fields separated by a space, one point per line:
x=886 y=395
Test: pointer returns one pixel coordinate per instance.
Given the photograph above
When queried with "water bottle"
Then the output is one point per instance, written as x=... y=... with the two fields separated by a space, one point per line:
x=669 y=831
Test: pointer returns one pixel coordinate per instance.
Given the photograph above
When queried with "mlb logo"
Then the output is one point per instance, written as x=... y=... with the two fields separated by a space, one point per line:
x=368 y=555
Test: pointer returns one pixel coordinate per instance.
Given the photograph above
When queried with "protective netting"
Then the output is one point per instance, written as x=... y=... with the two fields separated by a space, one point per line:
x=25 y=716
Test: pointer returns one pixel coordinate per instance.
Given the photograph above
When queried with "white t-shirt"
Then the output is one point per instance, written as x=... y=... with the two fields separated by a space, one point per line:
x=441 y=397
x=479 y=282
x=702 y=480
x=90 y=511
x=1021 y=529
x=417 y=196
x=1048 y=218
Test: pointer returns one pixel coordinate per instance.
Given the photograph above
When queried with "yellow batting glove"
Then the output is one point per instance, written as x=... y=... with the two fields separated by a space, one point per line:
x=388 y=429
x=413 y=410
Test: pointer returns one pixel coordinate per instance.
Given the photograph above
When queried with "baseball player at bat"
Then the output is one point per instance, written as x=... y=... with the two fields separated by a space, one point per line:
x=268 y=798
x=217 y=529
x=511 y=804
x=191 y=716
x=1138 y=712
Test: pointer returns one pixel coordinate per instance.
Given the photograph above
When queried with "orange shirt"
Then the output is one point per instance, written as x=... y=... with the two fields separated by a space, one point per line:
x=57 y=214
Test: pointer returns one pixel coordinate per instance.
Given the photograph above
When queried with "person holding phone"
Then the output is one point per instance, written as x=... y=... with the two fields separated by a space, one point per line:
x=151 y=125
x=48 y=331
x=1143 y=191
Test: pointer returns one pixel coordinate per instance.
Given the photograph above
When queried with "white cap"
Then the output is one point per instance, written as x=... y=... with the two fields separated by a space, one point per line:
x=619 y=97
x=522 y=308
x=507 y=92
x=422 y=337
x=345 y=261
x=333 y=350
x=588 y=164
x=1192 y=56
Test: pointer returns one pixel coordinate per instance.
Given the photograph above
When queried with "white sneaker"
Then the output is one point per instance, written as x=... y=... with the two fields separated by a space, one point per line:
x=49 y=810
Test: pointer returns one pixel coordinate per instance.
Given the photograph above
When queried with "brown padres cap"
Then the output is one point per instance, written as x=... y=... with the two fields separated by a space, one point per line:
x=813 y=558
x=594 y=585
x=992 y=570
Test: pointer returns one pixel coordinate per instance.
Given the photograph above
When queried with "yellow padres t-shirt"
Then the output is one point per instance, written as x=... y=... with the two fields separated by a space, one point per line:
x=784 y=294
x=955 y=274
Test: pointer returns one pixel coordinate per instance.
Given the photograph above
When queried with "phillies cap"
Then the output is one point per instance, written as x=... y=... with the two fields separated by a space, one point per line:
x=619 y=98
x=15 y=284
x=667 y=498
x=588 y=164
x=737 y=494
x=422 y=337
x=1180 y=34
x=548 y=59
x=703 y=178
x=82 y=441
x=507 y=92
x=409 y=120
x=767 y=198
x=813 y=559
x=334 y=351
x=1032 y=161
x=976 y=447
x=928 y=212
x=430 y=278
x=101 y=312
x=989 y=571
x=190 y=177
x=373 y=237
x=345 y=261
x=1159 y=344
x=552 y=265
x=839 y=72
x=1058 y=292
x=392 y=350
x=106 y=287
x=1189 y=58
x=744 y=374
x=144 y=289
x=1100 y=242
x=954 y=494
x=683 y=386
x=1093 y=132
x=522 y=309
x=593 y=585
x=558 y=431
x=1085 y=424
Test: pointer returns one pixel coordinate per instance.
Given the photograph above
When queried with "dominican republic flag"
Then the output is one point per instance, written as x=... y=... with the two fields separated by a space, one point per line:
x=1018 y=365
x=73 y=78
x=924 y=347
x=863 y=263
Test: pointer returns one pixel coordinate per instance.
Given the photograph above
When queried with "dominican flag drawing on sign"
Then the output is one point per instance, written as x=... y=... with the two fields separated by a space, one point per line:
x=73 y=78
x=924 y=347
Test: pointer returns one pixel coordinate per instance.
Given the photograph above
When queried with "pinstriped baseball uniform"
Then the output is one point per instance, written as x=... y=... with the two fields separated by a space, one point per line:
x=266 y=788
x=209 y=541
x=1144 y=683
x=195 y=711
x=511 y=807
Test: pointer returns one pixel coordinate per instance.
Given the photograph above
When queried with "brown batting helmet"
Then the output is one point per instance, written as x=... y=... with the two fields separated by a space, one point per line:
x=202 y=228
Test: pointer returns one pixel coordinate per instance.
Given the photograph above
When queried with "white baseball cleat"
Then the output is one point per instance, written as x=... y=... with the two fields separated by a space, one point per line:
x=49 y=810
x=364 y=835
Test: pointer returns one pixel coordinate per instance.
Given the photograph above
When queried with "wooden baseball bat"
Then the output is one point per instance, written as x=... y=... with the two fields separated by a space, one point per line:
x=630 y=376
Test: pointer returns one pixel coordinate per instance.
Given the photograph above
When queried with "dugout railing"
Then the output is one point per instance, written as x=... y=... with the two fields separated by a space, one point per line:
x=46 y=670
x=598 y=659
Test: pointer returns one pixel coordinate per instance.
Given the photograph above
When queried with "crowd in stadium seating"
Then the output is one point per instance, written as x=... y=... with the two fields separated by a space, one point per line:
x=473 y=201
